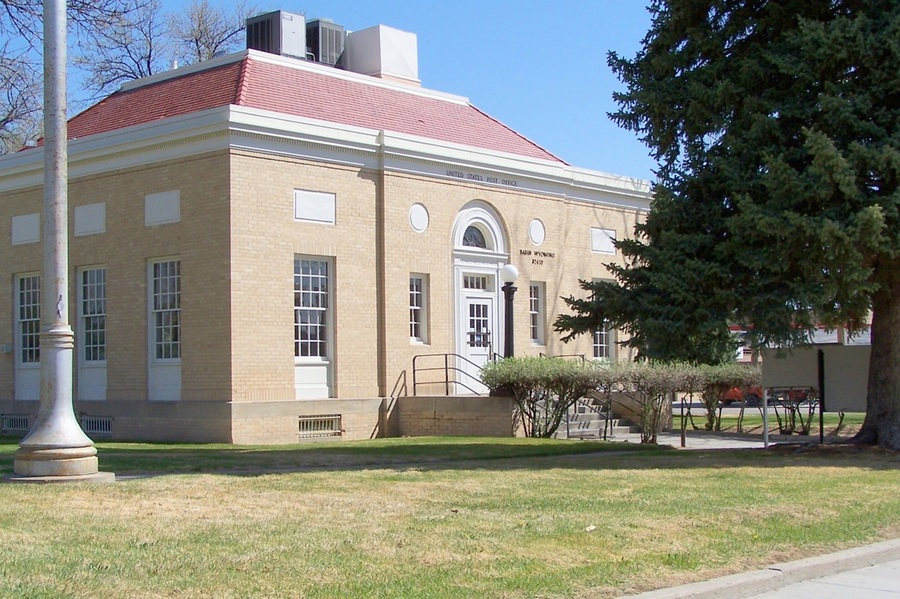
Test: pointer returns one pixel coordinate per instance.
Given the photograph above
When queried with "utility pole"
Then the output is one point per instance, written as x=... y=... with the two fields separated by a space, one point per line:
x=56 y=449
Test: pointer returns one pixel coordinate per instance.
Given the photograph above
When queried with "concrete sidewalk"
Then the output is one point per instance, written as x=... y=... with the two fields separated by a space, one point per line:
x=707 y=440
x=873 y=582
x=869 y=572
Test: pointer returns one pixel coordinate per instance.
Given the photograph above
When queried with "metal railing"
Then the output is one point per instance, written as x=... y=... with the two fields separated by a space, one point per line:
x=399 y=386
x=323 y=425
x=461 y=377
x=96 y=425
x=13 y=423
x=597 y=404
x=576 y=356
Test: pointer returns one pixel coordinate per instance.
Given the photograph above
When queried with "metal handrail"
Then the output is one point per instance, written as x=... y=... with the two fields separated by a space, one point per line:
x=447 y=368
x=579 y=356
x=606 y=417
x=399 y=385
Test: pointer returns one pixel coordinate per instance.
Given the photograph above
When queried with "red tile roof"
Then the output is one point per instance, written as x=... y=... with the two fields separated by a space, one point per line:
x=270 y=85
x=218 y=86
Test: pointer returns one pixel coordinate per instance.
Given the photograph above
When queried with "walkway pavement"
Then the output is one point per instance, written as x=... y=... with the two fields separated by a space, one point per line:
x=702 y=440
x=882 y=580
x=870 y=572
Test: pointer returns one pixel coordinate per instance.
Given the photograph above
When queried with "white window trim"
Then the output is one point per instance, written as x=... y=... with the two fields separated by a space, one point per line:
x=329 y=312
x=151 y=321
x=17 y=346
x=422 y=310
x=480 y=215
x=611 y=340
x=81 y=333
x=610 y=344
x=540 y=339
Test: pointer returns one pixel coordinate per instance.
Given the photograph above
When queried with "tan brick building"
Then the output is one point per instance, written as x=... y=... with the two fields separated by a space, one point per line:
x=259 y=246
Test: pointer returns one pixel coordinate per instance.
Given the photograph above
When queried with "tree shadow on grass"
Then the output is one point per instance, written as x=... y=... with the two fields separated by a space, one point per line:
x=427 y=454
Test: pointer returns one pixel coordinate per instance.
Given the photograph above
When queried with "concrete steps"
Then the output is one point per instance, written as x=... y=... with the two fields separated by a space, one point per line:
x=588 y=424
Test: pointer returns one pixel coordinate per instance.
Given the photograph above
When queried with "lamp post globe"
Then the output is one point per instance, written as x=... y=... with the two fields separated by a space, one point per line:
x=509 y=273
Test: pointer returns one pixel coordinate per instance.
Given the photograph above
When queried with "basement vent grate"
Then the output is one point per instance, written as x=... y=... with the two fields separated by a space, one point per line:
x=320 y=426
x=13 y=423
x=96 y=425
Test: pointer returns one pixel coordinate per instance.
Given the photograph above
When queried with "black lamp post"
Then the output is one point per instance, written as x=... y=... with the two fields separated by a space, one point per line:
x=509 y=274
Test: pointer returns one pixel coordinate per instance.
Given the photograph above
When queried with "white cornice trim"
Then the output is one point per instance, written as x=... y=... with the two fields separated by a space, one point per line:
x=276 y=133
x=123 y=148
x=412 y=154
x=286 y=127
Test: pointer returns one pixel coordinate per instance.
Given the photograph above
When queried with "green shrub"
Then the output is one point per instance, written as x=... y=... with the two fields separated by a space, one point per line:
x=543 y=388
x=650 y=387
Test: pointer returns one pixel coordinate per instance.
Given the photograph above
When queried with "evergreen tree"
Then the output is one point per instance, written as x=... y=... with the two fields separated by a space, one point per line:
x=776 y=126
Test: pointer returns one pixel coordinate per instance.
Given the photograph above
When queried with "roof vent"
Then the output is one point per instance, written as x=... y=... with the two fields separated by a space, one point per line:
x=278 y=32
x=325 y=40
x=383 y=52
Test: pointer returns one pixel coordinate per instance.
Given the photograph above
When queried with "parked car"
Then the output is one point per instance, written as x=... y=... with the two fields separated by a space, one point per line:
x=752 y=396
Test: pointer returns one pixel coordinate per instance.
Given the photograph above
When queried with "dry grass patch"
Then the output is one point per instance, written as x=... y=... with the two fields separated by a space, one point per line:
x=592 y=526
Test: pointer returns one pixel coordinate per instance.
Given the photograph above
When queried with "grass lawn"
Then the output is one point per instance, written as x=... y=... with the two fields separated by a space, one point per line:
x=753 y=422
x=434 y=518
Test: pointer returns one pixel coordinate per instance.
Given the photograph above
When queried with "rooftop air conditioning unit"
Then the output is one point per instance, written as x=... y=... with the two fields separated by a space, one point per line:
x=325 y=40
x=278 y=32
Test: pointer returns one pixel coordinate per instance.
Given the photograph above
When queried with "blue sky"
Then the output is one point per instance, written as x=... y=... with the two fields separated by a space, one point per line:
x=538 y=66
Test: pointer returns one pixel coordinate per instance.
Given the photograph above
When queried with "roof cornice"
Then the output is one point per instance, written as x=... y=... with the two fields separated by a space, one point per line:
x=258 y=130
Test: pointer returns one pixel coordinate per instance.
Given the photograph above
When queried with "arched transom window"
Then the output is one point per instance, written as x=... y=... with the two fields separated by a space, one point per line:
x=473 y=237
x=478 y=228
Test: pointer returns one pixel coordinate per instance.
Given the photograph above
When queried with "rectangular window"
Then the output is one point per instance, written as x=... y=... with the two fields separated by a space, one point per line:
x=29 y=318
x=311 y=300
x=475 y=282
x=166 y=309
x=418 y=299
x=93 y=315
x=604 y=340
x=536 y=312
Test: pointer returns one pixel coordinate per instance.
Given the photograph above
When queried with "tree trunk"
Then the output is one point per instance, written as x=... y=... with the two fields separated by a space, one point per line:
x=882 y=423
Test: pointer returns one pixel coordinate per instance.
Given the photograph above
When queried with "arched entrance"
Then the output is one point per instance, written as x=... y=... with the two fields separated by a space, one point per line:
x=480 y=249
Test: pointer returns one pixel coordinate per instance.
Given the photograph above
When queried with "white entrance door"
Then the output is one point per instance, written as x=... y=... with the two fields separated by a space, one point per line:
x=478 y=340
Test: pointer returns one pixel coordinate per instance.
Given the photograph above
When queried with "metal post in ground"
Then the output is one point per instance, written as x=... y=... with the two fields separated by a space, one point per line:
x=56 y=449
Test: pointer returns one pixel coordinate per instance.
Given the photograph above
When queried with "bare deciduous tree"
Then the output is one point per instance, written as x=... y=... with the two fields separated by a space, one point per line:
x=117 y=41
x=203 y=31
x=135 y=46
x=20 y=59
x=24 y=17
x=20 y=100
